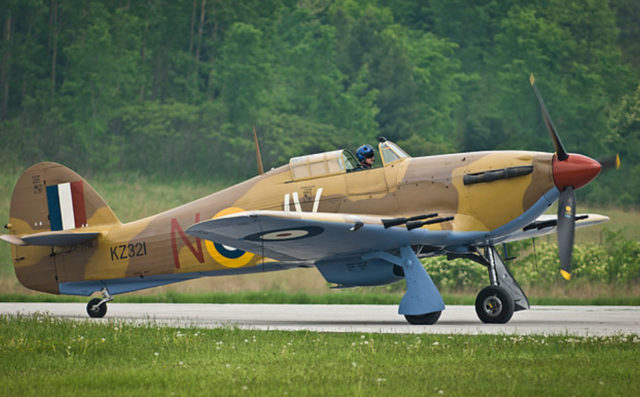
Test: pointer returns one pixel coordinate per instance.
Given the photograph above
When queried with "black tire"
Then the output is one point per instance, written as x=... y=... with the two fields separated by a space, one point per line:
x=96 y=311
x=494 y=305
x=423 y=319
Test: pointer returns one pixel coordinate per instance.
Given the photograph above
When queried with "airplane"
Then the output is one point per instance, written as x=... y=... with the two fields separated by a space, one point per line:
x=358 y=228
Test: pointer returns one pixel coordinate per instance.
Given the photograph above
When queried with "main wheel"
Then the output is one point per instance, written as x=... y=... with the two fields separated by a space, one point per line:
x=494 y=305
x=423 y=319
x=94 y=310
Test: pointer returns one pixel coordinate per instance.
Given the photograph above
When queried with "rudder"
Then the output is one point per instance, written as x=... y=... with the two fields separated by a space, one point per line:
x=49 y=197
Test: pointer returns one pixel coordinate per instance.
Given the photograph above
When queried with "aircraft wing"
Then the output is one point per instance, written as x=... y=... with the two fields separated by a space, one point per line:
x=311 y=236
x=547 y=224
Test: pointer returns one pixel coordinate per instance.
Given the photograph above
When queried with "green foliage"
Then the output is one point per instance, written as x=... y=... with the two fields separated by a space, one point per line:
x=174 y=88
x=614 y=262
x=623 y=137
x=457 y=274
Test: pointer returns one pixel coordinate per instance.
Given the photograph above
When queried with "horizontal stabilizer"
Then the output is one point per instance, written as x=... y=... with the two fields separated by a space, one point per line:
x=12 y=239
x=50 y=238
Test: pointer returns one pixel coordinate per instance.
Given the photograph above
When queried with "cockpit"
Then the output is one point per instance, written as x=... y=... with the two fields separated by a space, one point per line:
x=340 y=161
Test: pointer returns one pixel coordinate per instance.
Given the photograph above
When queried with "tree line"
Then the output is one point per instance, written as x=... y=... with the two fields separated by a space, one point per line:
x=173 y=88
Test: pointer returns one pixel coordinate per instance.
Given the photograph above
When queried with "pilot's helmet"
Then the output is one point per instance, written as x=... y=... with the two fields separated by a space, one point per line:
x=364 y=152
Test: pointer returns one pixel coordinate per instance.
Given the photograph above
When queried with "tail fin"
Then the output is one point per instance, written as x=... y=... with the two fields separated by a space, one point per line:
x=50 y=197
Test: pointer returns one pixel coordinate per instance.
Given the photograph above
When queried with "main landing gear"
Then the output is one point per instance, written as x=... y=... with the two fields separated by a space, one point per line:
x=497 y=302
x=97 y=307
x=422 y=303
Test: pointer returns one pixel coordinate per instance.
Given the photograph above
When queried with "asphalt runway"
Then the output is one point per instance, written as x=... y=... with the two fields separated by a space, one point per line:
x=563 y=320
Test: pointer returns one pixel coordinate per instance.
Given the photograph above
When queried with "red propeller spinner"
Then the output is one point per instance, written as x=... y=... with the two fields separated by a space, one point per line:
x=575 y=171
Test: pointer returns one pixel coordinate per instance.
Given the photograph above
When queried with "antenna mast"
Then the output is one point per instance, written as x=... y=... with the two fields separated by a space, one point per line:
x=258 y=156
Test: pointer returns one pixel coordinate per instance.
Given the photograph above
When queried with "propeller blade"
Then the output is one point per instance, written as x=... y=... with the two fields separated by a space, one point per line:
x=557 y=143
x=609 y=162
x=566 y=229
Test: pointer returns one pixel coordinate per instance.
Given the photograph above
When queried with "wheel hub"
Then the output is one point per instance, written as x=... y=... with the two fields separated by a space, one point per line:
x=492 y=305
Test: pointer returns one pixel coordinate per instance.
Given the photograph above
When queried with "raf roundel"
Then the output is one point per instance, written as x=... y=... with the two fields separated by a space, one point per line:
x=286 y=234
x=225 y=255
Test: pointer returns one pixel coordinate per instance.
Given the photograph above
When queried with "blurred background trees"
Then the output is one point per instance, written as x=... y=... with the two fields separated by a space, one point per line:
x=172 y=88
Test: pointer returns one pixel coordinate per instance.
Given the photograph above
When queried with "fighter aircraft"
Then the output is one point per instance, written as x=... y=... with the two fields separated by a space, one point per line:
x=358 y=228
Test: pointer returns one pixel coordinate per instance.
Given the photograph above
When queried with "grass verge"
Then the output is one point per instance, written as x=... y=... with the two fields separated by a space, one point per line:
x=343 y=298
x=44 y=356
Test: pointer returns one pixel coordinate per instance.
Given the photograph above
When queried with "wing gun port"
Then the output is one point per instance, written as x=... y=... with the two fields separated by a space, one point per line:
x=401 y=221
x=415 y=225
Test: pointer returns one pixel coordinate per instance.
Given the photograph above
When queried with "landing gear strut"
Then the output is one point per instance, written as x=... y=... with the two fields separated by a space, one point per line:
x=497 y=302
x=97 y=307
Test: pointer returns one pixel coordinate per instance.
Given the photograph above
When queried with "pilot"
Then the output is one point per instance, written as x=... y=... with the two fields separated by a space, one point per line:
x=365 y=155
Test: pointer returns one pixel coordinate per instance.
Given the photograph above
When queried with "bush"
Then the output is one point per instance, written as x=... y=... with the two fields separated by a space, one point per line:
x=457 y=274
x=615 y=261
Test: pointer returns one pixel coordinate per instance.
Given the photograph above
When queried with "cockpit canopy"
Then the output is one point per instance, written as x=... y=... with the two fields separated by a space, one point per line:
x=390 y=153
x=322 y=164
x=339 y=161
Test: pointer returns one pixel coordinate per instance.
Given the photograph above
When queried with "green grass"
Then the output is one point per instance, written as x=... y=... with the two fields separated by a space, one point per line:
x=44 y=356
x=625 y=220
x=8 y=178
x=342 y=298
x=134 y=196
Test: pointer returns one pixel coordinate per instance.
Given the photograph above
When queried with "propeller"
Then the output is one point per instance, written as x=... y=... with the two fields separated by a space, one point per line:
x=560 y=150
x=570 y=172
x=609 y=162
x=566 y=229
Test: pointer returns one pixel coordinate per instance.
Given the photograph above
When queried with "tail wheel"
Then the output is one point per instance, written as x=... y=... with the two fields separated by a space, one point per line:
x=423 y=319
x=95 y=309
x=494 y=305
